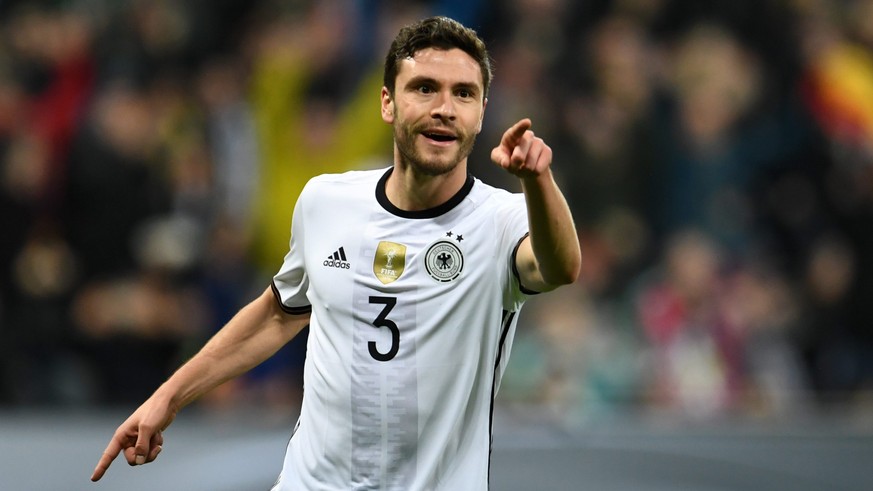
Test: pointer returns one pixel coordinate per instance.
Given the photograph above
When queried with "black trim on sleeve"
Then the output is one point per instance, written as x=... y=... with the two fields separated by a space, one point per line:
x=288 y=310
x=515 y=267
x=434 y=212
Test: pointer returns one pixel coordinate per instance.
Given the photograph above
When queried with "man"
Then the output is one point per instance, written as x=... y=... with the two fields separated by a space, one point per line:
x=410 y=279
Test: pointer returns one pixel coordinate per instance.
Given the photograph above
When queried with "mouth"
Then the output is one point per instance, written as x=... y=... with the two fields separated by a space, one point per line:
x=439 y=136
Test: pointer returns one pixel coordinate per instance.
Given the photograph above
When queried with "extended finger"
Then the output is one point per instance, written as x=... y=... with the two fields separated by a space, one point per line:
x=106 y=459
x=513 y=135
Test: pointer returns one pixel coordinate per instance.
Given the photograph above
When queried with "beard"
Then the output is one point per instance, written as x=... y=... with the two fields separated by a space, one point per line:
x=406 y=136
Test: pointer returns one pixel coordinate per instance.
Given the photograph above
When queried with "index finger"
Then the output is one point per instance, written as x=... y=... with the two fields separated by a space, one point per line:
x=513 y=135
x=112 y=451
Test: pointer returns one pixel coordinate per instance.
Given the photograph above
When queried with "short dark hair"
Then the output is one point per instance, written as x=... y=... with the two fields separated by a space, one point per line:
x=440 y=33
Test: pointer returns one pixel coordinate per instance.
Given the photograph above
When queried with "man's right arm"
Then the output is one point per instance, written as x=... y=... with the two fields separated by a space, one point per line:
x=254 y=334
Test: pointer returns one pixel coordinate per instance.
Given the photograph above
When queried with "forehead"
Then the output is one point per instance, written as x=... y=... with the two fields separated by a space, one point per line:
x=453 y=66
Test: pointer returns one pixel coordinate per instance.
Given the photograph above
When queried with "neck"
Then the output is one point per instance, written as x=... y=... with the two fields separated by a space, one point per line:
x=410 y=190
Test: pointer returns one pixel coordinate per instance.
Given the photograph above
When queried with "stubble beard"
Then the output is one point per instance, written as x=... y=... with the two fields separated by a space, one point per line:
x=405 y=136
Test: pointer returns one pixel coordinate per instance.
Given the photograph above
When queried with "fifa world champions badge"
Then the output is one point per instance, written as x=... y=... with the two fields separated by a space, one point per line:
x=389 y=262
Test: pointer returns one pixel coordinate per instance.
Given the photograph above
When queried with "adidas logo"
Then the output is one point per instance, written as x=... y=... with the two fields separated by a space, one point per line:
x=337 y=260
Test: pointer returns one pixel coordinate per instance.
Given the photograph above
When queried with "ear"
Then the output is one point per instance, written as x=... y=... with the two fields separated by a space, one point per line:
x=387 y=106
x=481 y=116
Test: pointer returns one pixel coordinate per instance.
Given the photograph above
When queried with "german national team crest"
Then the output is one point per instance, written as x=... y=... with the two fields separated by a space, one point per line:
x=390 y=261
x=444 y=261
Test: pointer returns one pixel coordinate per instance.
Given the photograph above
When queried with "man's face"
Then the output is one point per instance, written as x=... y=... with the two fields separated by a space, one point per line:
x=436 y=110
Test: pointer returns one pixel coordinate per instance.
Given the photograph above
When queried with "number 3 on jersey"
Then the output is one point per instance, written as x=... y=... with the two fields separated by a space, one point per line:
x=382 y=320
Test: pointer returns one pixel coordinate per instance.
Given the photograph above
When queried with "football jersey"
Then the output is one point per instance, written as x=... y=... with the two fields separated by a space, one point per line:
x=412 y=319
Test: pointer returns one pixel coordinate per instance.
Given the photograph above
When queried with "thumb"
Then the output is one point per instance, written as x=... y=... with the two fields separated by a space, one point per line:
x=143 y=445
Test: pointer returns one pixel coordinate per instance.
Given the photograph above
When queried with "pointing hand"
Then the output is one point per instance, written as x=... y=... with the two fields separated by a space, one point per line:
x=521 y=152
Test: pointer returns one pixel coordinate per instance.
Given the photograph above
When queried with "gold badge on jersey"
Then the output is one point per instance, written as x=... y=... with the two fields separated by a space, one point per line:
x=389 y=262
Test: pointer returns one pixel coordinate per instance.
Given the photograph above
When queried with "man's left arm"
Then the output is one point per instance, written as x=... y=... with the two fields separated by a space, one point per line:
x=550 y=256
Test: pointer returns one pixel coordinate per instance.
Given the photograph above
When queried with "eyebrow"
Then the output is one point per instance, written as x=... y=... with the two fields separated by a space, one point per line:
x=421 y=79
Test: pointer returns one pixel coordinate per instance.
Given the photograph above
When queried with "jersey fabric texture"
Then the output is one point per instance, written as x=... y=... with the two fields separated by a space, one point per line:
x=412 y=319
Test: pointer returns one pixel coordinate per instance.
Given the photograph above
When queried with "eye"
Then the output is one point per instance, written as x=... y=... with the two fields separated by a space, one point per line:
x=465 y=93
x=425 y=89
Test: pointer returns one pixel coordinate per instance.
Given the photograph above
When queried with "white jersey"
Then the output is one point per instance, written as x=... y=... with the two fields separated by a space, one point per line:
x=413 y=316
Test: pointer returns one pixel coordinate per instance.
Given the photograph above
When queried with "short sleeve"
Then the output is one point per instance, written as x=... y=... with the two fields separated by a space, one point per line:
x=291 y=283
x=513 y=221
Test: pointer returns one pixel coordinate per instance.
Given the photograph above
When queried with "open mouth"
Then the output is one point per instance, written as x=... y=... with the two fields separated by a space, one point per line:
x=439 y=137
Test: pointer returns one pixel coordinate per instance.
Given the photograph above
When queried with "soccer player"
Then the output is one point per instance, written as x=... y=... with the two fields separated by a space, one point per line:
x=410 y=278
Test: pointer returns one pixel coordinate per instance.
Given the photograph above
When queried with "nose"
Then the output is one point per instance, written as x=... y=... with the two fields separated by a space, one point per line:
x=443 y=106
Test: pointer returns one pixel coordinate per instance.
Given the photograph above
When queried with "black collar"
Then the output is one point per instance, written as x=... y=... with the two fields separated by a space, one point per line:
x=436 y=211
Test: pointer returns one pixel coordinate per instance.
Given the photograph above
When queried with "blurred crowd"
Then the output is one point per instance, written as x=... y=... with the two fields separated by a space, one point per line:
x=718 y=158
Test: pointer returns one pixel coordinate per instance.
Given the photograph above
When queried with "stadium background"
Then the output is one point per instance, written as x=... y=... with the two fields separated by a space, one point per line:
x=718 y=157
